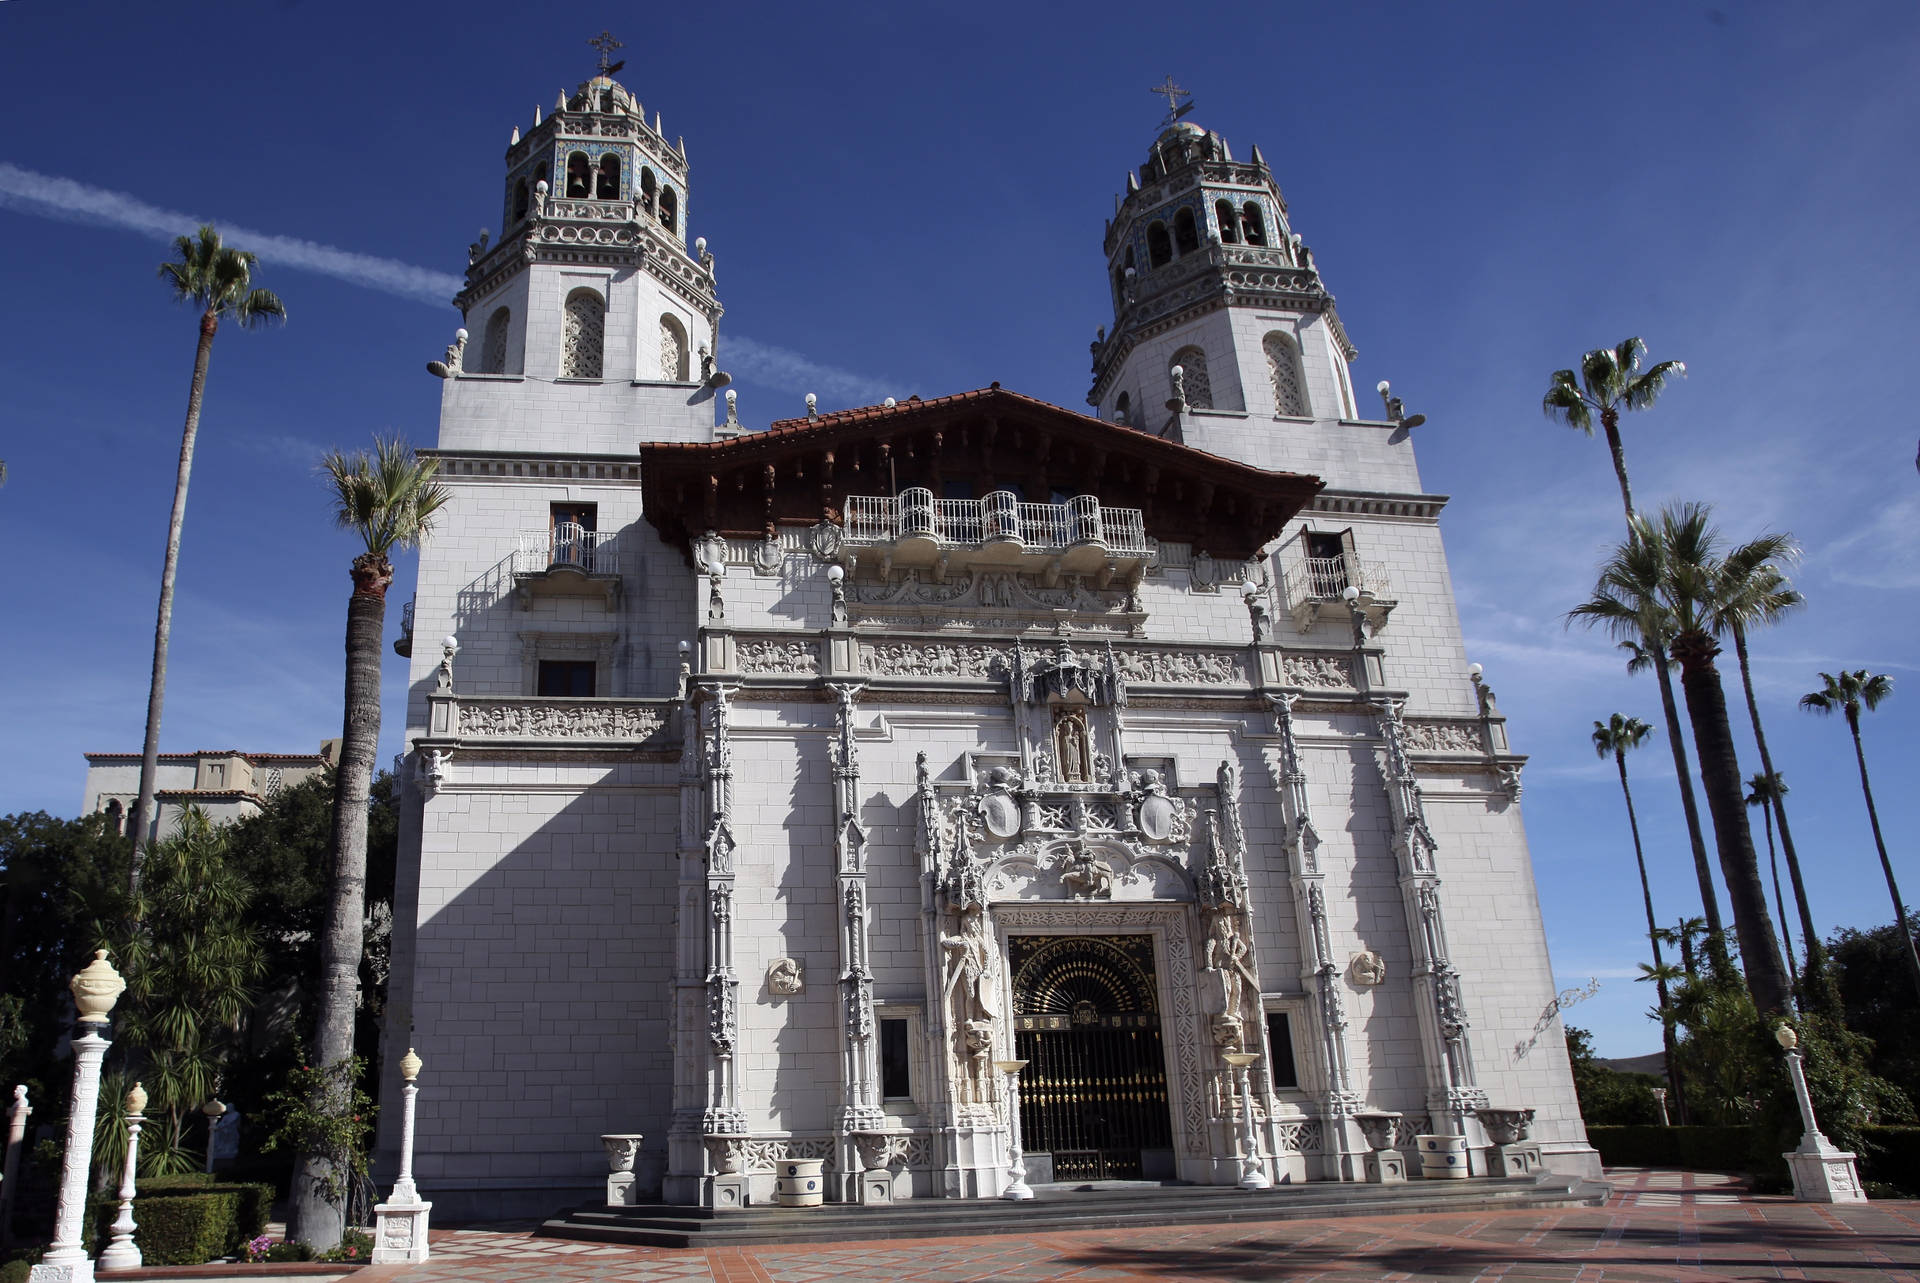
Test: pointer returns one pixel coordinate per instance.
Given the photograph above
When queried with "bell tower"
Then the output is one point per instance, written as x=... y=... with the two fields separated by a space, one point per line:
x=591 y=279
x=1207 y=276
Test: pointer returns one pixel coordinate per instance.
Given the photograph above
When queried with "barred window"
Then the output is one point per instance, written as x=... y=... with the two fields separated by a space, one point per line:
x=1283 y=370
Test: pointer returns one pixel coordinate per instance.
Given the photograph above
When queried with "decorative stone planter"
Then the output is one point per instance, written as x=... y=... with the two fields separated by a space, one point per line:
x=799 y=1183
x=1511 y=1153
x=1385 y=1165
x=1442 y=1157
x=623 y=1151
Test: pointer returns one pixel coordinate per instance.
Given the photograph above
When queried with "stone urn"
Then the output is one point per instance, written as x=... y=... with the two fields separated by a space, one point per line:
x=726 y=1153
x=1505 y=1126
x=1377 y=1126
x=623 y=1148
x=96 y=989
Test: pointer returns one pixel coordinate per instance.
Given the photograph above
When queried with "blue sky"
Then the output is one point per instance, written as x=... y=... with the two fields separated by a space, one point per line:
x=908 y=200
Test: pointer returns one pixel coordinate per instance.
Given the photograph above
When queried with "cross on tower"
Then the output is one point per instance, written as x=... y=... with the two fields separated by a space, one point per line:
x=606 y=44
x=1173 y=94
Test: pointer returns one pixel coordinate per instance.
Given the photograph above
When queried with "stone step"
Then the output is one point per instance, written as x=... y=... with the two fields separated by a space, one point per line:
x=1057 y=1207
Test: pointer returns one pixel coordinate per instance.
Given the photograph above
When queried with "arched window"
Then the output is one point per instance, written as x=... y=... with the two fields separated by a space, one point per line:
x=647 y=189
x=1223 y=214
x=116 y=816
x=1253 y=228
x=1193 y=366
x=493 y=351
x=669 y=208
x=607 y=182
x=1123 y=409
x=520 y=198
x=1283 y=369
x=585 y=335
x=579 y=176
x=1159 y=247
x=673 y=350
x=1186 y=237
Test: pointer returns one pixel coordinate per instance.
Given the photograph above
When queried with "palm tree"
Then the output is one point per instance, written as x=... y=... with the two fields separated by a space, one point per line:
x=1616 y=737
x=1682 y=552
x=218 y=280
x=1847 y=693
x=1681 y=936
x=388 y=499
x=1628 y=606
x=1761 y=790
x=1756 y=593
x=1609 y=381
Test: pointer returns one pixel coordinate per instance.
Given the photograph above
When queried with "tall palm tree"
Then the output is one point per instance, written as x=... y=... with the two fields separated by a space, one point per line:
x=218 y=280
x=388 y=499
x=1609 y=381
x=1681 y=936
x=1628 y=606
x=1615 y=737
x=1847 y=693
x=1755 y=594
x=1761 y=789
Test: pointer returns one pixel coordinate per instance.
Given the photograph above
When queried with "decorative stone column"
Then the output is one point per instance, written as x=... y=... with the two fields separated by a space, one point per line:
x=94 y=991
x=400 y=1223
x=1822 y=1171
x=123 y=1253
x=1322 y=974
x=9 y=1174
x=1453 y=1094
x=722 y=1116
x=1016 y=1190
x=860 y=1109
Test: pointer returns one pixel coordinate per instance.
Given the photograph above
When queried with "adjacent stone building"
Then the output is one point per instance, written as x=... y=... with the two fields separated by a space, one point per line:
x=776 y=785
x=225 y=783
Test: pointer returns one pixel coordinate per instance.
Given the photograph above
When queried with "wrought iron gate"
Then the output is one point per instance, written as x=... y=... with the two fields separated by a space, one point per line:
x=1094 y=1092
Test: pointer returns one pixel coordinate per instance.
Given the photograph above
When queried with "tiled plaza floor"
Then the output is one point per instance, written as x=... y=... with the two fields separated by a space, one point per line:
x=1659 y=1225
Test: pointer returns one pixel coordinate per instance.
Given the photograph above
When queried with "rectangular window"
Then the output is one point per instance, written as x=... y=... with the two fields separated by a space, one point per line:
x=571 y=677
x=896 y=1082
x=1280 y=1046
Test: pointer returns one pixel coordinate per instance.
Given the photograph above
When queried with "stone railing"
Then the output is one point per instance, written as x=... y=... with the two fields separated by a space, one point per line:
x=1042 y=527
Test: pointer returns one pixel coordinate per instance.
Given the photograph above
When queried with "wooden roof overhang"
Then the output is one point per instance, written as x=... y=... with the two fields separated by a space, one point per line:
x=799 y=471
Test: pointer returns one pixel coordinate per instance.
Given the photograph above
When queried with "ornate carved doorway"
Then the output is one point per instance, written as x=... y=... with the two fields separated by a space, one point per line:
x=1094 y=1093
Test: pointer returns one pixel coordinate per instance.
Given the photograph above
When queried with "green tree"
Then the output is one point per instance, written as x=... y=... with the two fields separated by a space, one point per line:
x=1870 y=968
x=1608 y=1097
x=191 y=967
x=1755 y=593
x=1682 y=554
x=1760 y=792
x=1614 y=738
x=1630 y=609
x=388 y=499
x=1609 y=380
x=218 y=280
x=1847 y=694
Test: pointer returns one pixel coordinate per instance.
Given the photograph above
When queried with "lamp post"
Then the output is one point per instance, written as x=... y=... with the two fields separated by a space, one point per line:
x=94 y=991
x=400 y=1223
x=1822 y=1171
x=1016 y=1189
x=837 y=585
x=1252 y=1172
x=123 y=1253
x=16 y=1138
x=1660 y=1099
x=215 y=1110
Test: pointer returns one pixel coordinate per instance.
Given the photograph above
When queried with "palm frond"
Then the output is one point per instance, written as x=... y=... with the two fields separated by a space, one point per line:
x=1564 y=404
x=390 y=496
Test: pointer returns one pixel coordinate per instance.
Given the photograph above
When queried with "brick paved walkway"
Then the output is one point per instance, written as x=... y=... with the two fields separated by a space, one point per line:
x=1659 y=1225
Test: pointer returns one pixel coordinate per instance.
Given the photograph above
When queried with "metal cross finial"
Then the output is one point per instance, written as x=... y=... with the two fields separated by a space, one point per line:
x=606 y=44
x=1173 y=93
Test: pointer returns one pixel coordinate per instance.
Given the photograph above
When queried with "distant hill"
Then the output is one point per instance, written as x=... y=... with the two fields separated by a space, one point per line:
x=1655 y=1064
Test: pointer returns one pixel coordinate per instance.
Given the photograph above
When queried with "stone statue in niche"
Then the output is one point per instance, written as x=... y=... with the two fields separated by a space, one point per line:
x=1072 y=752
x=785 y=978
x=969 y=955
x=1154 y=810
x=1087 y=877
x=1228 y=957
x=1367 y=969
x=999 y=810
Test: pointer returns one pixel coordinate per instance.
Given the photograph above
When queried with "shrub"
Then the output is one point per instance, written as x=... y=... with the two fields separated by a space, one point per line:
x=16 y=1271
x=186 y=1220
x=1719 y=1149
x=1891 y=1156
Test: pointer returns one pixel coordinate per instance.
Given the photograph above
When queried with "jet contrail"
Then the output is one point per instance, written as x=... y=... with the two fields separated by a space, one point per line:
x=66 y=201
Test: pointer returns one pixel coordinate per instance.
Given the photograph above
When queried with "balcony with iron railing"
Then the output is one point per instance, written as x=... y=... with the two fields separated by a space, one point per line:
x=567 y=560
x=1317 y=584
x=1079 y=536
x=403 y=644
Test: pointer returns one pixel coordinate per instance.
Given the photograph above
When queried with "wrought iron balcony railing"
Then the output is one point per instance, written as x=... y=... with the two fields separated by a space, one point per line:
x=567 y=559
x=915 y=515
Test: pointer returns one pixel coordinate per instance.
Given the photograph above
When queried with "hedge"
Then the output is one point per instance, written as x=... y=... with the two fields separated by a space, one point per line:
x=186 y=1220
x=1719 y=1149
x=1892 y=1156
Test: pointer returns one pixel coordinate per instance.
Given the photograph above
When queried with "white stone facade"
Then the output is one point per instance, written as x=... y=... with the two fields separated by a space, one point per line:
x=895 y=762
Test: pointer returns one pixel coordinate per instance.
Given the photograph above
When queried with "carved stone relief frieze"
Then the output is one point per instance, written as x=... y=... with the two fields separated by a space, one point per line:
x=539 y=719
x=1443 y=737
x=1000 y=600
x=767 y=655
x=1181 y=667
x=934 y=659
x=1318 y=672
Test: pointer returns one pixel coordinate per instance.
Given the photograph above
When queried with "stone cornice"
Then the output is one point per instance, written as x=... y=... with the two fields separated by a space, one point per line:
x=458 y=466
x=1361 y=503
